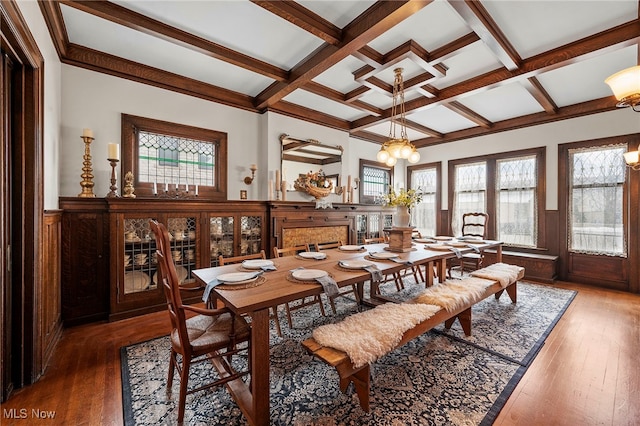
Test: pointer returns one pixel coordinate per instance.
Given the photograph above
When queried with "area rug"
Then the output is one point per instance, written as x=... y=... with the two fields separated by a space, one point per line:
x=440 y=378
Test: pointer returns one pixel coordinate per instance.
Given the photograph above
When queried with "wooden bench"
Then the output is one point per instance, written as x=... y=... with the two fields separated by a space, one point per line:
x=360 y=376
x=539 y=267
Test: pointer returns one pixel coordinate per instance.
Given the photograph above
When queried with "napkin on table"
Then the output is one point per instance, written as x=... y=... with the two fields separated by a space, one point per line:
x=329 y=285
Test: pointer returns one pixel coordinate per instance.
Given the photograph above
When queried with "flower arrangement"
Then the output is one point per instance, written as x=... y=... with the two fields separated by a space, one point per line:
x=405 y=198
x=314 y=183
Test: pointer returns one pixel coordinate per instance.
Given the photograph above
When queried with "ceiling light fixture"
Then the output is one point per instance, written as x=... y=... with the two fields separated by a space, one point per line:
x=625 y=86
x=396 y=148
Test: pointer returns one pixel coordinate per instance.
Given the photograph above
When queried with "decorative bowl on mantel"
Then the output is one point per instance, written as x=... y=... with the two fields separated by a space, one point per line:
x=314 y=184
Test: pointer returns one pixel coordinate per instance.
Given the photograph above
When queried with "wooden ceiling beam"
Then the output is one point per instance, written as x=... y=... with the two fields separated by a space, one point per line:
x=469 y=114
x=587 y=48
x=423 y=129
x=136 y=21
x=535 y=88
x=55 y=22
x=309 y=115
x=479 y=19
x=572 y=111
x=303 y=18
x=336 y=96
x=84 y=57
x=372 y=23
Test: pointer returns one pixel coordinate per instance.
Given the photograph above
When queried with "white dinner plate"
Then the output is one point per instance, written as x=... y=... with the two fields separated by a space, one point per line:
x=136 y=281
x=383 y=255
x=237 y=277
x=180 y=271
x=456 y=244
x=355 y=264
x=312 y=255
x=442 y=238
x=440 y=247
x=424 y=240
x=350 y=248
x=308 y=274
x=257 y=263
x=476 y=241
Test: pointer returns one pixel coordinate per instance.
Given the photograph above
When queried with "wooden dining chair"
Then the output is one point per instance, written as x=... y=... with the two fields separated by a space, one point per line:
x=301 y=303
x=239 y=259
x=344 y=291
x=473 y=225
x=211 y=335
x=387 y=277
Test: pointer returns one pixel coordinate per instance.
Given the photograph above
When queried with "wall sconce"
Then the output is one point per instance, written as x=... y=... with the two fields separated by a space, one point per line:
x=249 y=179
x=625 y=86
x=632 y=158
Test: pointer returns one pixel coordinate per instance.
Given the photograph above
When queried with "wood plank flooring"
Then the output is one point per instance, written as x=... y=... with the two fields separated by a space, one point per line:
x=587 y=373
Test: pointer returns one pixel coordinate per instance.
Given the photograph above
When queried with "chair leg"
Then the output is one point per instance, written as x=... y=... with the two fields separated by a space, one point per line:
x=319 y=301
x=184 y=379
x=333 y=304
x=172 y=367
x=289 y=320
x=274 y=314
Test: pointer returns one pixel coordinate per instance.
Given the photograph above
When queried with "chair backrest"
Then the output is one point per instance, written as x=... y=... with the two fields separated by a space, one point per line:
x=168 y=278
x=238 y=259
x=326 y=246
x=374 y=240
x=475 y=224
x=290 y=251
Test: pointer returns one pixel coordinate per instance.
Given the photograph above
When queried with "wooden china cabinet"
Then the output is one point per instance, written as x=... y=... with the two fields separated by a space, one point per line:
x=200 y=232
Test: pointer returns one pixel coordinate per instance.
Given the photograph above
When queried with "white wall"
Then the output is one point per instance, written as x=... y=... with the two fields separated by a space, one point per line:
x=612 y=123
x=51 y=101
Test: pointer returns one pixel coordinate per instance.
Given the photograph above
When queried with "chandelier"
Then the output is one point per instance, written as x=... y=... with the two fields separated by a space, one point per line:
x=395 y=147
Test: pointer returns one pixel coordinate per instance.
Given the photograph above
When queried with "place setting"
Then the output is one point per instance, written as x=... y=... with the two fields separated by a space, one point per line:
x=257 y=264
x=234 y=281
x=387 y=256
x=352 y=247
x=356 y=264
x=311 y=255
x=306 y=276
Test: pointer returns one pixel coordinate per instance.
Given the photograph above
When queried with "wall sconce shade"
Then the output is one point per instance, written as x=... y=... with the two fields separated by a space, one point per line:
x=625 y=86
x=632 y=158
x=249 y=179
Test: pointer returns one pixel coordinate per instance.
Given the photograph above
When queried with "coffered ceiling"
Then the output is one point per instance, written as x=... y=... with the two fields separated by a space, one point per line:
x=470 y=67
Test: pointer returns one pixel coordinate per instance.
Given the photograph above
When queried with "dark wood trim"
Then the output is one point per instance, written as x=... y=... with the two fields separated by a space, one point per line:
x=533 y=86
x=27 y=186
x=605 y=271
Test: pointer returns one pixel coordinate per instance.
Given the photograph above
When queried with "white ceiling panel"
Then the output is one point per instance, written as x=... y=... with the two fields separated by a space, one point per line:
x=503 y=103
x=431 y=28
x=340 y=76
x=441 y=119
x=469 y=62
x=536 y=26
x=238 y=25
x=339 y=13
x=382 y=129
x=313 y=101
x=584 y=81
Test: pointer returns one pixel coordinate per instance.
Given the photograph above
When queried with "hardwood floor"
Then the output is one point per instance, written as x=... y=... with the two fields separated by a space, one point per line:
x=587 y=373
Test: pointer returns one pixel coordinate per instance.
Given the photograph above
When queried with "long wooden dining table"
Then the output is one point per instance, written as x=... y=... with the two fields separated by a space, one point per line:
x=278 y=288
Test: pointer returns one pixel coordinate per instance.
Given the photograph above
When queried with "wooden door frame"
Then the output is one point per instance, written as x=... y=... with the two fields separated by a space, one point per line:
x=27 y=187
x=628 y=268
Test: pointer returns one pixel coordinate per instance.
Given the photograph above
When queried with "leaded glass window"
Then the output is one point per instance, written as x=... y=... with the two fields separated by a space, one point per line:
x=470 y=187
x=516 y=201
x=375 y=182
x=173 y=160
x=596 y=200
x=424 y=215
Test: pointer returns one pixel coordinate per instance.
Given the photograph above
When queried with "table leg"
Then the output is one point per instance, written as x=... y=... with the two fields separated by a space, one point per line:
x=442 y=270
x=429 y=275
x=260 y=368
x=499 y=254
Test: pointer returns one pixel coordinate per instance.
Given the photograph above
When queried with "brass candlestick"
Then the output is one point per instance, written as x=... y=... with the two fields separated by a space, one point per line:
x=113 y=193
x=87 y=175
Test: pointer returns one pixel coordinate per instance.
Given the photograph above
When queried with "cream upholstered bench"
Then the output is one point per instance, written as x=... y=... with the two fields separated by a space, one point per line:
x=436 y=306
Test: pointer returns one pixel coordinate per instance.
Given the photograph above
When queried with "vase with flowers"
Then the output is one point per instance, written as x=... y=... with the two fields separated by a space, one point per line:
x=403 y=201
x=314 y=183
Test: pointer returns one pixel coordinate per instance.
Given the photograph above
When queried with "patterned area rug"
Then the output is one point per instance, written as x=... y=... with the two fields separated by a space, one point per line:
x=440 y=378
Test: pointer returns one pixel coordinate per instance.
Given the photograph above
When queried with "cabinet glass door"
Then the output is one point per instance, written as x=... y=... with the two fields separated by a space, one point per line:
x=221 y=237
x=183 y=235
x=139 y=260
x=251 y=232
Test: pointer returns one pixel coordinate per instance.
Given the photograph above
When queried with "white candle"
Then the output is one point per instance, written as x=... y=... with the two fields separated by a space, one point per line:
x=166 y=187
x=349 y=182
x=113 y=151
x=155 y=188
x=271 y=189
x=278 y=179
x=87 y=133
x=196 y=190
x=339 y=181
x=284 y=190
x=187 y=187
x=176 y=186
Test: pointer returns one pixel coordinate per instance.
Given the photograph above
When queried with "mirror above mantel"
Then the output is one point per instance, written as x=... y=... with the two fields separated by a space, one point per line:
x=300 y=156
